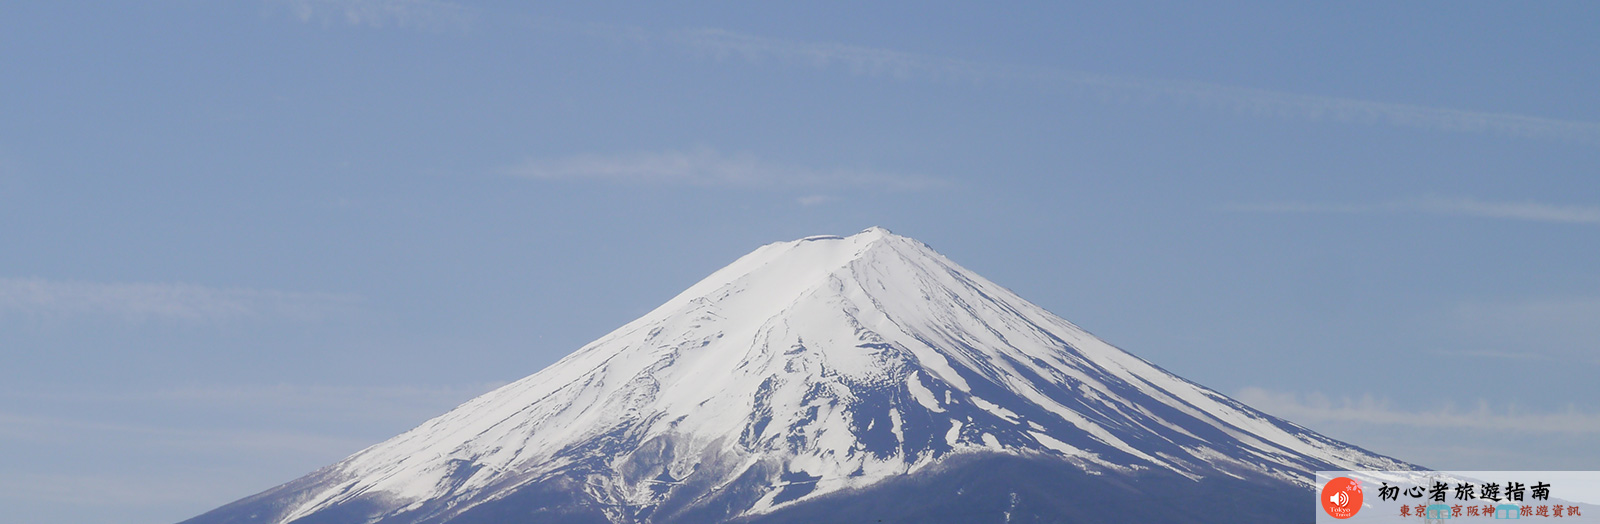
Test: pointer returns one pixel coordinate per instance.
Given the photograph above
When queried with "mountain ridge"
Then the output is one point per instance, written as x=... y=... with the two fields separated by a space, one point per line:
x=806 y=368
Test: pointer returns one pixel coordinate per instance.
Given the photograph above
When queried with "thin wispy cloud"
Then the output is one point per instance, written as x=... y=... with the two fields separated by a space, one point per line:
x=1318 y=408
x=129 y=490
x=409 y=404
x=1534 y=211
x=1456 y=206
x=47 y=428
x=230 y=424
x=707 y=167
x=404 y=402
x=406 y=14
x=40 y=298
x=814 y=200
x=728 y=45
x=722 y=45
x=366 y=406
x=1499 y=355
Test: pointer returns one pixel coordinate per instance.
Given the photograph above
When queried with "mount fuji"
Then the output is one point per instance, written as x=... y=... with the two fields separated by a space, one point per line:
x=832 y=379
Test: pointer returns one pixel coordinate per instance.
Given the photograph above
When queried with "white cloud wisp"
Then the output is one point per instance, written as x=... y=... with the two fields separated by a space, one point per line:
x=37 y=297
x=709 y=168
x=405 y=14
x=1456 y=206
x=1318 y=408
x=722 y=45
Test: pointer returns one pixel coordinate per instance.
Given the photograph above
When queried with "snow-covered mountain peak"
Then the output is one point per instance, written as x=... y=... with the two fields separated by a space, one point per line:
x=876 y=231
x=775 y=274
x=813 y=366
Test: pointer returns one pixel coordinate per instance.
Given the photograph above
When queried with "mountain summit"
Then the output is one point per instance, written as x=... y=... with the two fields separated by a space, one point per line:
x=830 y=378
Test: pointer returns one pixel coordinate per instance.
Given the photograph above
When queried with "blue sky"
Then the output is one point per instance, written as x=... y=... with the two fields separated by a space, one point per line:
x=239 y=241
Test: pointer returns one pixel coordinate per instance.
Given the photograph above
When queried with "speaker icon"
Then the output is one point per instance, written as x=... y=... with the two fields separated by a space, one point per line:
x=1341 y=497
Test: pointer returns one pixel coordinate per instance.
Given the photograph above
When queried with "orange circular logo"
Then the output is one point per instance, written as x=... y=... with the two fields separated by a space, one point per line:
x=1341 y=497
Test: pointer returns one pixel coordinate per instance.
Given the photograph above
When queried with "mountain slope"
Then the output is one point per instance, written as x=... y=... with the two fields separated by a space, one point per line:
x=805 y=371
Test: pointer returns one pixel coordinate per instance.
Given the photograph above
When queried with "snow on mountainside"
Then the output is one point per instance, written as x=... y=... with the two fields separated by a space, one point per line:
x=805 y=368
